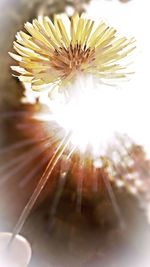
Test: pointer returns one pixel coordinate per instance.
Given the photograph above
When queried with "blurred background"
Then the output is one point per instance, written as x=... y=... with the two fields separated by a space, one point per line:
x=67 y=236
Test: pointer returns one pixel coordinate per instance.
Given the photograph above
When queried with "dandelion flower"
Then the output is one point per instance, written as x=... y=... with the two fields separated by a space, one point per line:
x=53 y=53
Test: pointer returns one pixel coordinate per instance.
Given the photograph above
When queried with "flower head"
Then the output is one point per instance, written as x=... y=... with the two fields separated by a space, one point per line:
x=52 y=53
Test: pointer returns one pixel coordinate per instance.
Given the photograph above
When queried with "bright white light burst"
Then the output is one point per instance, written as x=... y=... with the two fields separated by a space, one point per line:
x=91 y=113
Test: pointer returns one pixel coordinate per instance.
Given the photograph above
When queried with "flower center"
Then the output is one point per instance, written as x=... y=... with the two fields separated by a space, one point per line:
x=72 y=58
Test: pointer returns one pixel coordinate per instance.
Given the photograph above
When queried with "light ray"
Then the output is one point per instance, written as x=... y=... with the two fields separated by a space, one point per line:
x=10 y=114
x=18 y=145
x=114 y=202
x=51 y=165
x=24 y=159
x=95 y=180
x=71 y=152
x=65 y=165
x=25 y=180
x=55 y=202
x=19 y=158
x=79 y=188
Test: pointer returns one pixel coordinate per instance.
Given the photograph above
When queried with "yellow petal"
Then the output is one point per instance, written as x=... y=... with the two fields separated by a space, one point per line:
x=16 y=57
x=97 y=34
x=51 y=29
x=74 y=25
x=63 y=32
x=80 y=29
x=19 y=70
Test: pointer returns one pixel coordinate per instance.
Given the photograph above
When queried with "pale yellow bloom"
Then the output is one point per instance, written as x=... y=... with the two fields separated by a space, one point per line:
x=52 y=53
